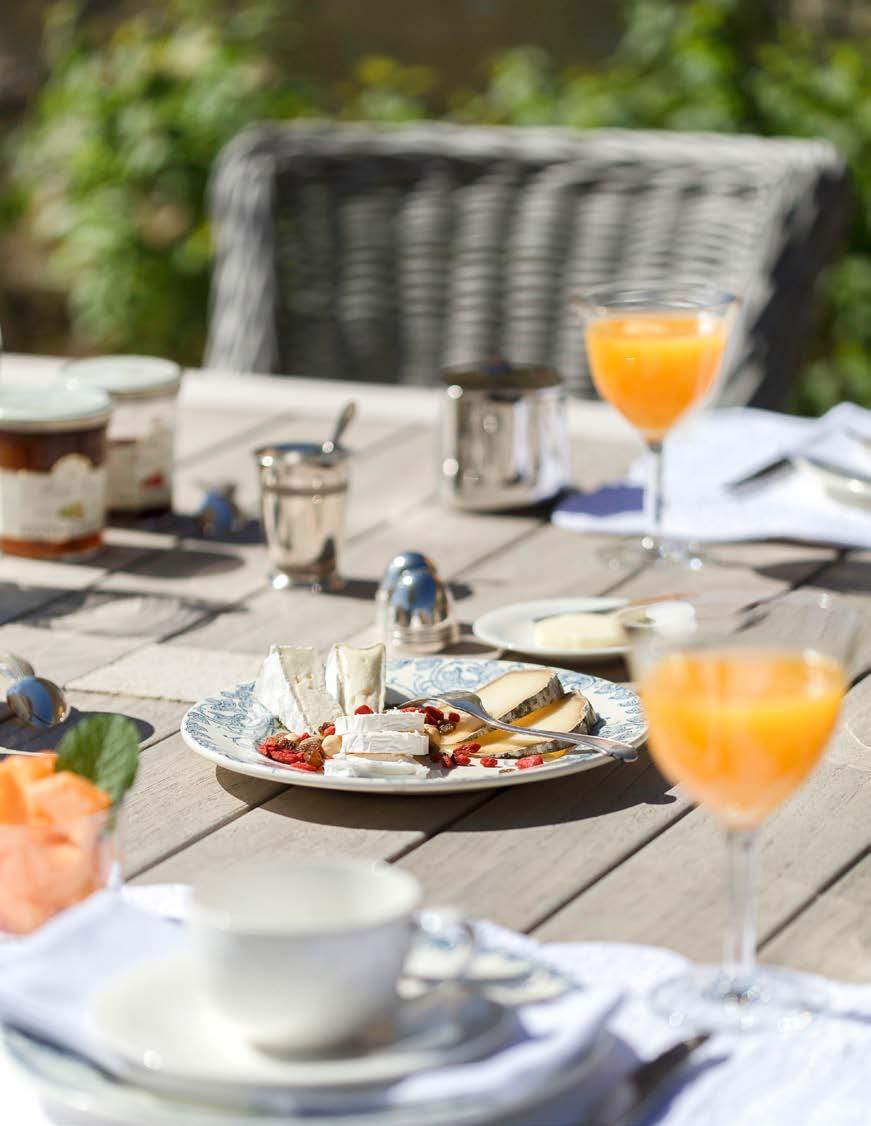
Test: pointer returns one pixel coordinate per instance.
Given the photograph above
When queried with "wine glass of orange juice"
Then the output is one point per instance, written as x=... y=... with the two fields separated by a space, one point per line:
x=655 y=352
x=741 y=700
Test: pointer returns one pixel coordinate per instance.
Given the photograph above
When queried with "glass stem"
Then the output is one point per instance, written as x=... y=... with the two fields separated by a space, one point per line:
x=653 y=497
x=739 y=953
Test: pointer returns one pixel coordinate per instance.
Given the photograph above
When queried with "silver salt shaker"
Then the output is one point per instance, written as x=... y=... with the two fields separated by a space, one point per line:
x=414 y=609
x=504 y=437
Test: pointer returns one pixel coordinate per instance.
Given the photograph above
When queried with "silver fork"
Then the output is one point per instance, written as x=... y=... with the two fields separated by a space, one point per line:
x=470 y=703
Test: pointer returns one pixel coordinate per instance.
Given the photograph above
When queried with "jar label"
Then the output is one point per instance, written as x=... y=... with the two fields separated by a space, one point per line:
x=140 y=469
x=68 y=503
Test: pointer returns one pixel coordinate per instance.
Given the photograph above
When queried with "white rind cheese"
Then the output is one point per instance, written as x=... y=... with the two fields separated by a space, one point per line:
x=291 y=686
x=357 y=676
x=383 y=721
x=413 y=743
x=342 y=767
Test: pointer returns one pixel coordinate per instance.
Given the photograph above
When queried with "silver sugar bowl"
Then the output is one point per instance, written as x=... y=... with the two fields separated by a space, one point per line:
x=504 y=437
x=413 y=606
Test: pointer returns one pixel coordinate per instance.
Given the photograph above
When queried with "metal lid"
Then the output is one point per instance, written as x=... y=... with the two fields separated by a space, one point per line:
x=52 y=408
x=124 y=377
x=499 y=375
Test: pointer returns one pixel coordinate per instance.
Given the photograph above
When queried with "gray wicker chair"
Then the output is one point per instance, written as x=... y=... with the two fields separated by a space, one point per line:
x=386 y=254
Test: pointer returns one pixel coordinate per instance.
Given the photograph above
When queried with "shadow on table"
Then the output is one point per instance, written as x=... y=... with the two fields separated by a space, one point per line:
x=583 y=796
x=20 y=738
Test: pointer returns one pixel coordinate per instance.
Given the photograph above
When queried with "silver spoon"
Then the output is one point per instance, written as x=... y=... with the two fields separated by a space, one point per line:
x=342 y=422
x=37 y=702
x=12 y=667
x=470 y=703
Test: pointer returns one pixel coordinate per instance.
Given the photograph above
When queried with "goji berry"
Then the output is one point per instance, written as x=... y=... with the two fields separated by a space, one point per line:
x=364 y=709
x=489 y=761
x=461 y=758
x=447 y=762
x=530 y=760
x=302 y=738
x=327 y=729
x=434 y=756
x=453 y=717
x=286 y=755
x=469 y=748
x=303 y=766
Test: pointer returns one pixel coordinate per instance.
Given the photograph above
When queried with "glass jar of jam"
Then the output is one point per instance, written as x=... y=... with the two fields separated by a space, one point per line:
x=52 y=471
x=144 y=392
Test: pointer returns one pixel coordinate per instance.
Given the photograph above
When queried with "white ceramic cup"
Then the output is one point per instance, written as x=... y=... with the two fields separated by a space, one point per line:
x=302 y=954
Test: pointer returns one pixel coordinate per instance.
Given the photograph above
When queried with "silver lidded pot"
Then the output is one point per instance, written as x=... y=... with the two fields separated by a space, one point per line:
x=414 y=609
x=504 y=437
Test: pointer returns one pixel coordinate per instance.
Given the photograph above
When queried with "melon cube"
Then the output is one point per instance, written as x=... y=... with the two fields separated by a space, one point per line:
x=13 y=804
x=64 y=796
x=29 y=768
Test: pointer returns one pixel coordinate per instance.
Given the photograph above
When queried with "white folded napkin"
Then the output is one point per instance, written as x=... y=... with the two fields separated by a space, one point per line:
x=48 y=978
x=719 y=447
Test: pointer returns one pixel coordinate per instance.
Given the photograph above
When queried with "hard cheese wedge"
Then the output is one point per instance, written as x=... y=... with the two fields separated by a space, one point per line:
x=509 y=697
x=571 y=713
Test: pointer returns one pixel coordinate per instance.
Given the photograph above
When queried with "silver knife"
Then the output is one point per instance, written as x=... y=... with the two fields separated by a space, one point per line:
x=637 y=1095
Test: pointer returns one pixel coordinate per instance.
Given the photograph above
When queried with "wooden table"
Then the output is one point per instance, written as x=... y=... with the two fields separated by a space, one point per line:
x=613 y=853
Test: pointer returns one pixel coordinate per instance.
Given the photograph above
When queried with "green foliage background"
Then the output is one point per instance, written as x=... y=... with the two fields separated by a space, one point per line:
x=113 y=166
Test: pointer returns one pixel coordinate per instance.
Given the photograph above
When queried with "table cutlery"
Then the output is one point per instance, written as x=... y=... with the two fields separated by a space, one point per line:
x=470 y=703
x=342 y=422
x=631 y=604
x=636 y=1096
x=37 y=702
x=851 y=479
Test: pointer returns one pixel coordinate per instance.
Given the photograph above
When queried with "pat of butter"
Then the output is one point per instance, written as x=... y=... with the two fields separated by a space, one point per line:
x=579 y=631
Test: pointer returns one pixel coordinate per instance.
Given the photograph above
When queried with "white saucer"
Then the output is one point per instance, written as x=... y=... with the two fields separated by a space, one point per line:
x=158 y=1022
x=510 y=627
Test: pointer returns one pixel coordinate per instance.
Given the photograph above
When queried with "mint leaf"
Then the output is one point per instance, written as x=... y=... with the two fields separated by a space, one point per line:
x=104 y=749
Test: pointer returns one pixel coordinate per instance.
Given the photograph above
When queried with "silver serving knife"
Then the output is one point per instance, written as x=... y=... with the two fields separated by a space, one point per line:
x=635 y=1098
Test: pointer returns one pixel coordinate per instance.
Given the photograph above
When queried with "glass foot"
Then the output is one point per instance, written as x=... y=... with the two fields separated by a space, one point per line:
x=703 y=1000
x=648 y=551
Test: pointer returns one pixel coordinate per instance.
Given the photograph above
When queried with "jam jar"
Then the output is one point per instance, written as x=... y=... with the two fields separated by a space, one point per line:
x=144 y=392
x=52 y=471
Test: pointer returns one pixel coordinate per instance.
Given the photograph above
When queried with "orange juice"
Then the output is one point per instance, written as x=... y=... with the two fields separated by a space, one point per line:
x=654 y=366
x=741 y=729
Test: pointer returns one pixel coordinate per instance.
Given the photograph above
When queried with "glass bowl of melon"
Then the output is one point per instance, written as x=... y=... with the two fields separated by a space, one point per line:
x=59 y=820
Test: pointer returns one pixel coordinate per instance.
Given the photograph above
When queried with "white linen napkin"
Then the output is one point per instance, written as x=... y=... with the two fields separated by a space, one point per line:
x=719 y=447
x=47 y=979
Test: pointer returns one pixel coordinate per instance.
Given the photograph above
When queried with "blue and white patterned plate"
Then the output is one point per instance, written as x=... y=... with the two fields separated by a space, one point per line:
x=228 y=728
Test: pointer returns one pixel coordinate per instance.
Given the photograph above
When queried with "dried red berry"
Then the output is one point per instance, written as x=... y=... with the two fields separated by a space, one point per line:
x=303 y=766
x=435 y=716
x=469 y=748
x=461 y=758
x=447 y=762
x=434 y=756
x=327 y=729
x=364 y=709
x=302 y=738
x=453 y=717
x=489 y=761
x=288 y=756
x=530 y=760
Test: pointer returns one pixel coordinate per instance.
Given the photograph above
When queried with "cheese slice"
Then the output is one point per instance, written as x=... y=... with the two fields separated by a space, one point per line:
x=291 y=686
x=509 y=697
x=357 y=767
x=380 y=721
x=579 y=631
x=357 y=676
x=573 y=712
x=413 y=743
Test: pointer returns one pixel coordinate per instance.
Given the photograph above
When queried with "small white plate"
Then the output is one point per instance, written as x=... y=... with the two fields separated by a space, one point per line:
x=842 y=484
x=510 y=627
x=186 y=1046
x=228 y=728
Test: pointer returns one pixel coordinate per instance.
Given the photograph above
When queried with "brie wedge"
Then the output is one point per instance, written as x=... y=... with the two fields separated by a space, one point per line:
x=383 y=721
x=291 y=686
x=399 y=743
x=357 y=676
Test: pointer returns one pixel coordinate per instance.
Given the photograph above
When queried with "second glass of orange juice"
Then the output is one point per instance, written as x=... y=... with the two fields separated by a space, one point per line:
x=655 y=352
x=741 y=704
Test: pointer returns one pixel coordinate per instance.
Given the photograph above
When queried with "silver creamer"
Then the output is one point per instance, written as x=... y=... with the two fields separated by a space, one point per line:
x=504 y=437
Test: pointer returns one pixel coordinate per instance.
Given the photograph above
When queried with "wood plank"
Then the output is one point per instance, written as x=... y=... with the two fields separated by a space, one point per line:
x=850 y=578
x=59 y=654
x=167 y=672
x=178 y=797
x=671 y=891
x=300 y=823
x=530 y=849
x=202 y=430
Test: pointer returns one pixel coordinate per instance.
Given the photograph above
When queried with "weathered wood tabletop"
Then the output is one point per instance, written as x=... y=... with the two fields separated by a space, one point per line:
x=163 y=617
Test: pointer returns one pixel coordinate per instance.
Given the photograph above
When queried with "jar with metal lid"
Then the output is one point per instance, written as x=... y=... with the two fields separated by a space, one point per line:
x=504 y=437
x=52 y=471
x=144 y=393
